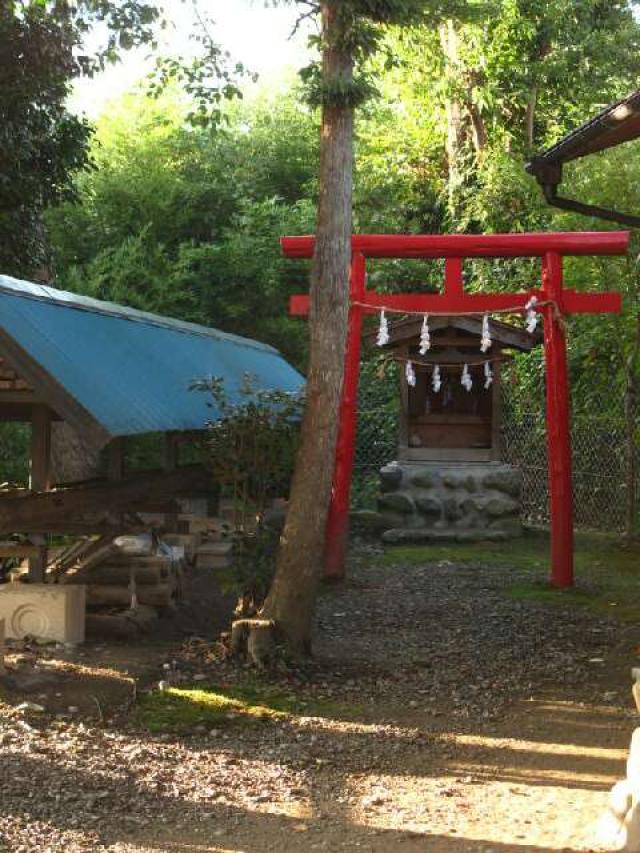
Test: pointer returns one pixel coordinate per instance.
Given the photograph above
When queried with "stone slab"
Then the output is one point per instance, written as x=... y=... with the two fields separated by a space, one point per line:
x=45 y=611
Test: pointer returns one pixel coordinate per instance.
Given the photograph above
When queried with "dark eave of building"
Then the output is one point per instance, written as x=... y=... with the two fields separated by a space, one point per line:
x=618 y=123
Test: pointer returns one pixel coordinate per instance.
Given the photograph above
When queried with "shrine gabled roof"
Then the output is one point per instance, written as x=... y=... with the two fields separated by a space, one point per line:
x=504 y=335
x=116 y=371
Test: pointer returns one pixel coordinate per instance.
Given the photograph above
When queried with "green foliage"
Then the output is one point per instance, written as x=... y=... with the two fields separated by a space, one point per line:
x=14 y=453
x=187 y=223
x=252 y=442
x=43 y=145
x=179 y=710
x=209 y=79
x=251 y=448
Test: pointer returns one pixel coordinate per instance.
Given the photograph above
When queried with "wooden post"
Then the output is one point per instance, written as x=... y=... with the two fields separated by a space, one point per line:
x=338 y=519
x=558 y=432
x=496 y=414
x=170 y=450
x=40 y=481
x=116 y=458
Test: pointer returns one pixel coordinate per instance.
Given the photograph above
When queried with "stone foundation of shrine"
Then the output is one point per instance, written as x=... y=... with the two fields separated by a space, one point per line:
x=459 y=501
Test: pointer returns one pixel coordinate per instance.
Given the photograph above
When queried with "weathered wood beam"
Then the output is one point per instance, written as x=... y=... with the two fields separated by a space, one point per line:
x=64 y=509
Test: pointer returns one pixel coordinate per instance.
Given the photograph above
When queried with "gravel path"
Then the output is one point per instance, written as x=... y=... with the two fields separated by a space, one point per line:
x=461 y=720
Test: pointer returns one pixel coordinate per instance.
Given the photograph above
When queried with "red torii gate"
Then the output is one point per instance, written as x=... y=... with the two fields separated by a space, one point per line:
x=554 y=300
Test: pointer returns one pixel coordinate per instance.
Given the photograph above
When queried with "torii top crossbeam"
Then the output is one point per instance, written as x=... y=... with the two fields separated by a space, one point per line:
x=472 y=245
x=553 y=301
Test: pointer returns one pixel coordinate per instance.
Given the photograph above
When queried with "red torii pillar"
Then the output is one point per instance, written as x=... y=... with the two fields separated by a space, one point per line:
x=555 y=301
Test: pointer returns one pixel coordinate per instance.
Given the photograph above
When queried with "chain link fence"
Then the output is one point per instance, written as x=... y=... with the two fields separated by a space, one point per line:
x=600 y=475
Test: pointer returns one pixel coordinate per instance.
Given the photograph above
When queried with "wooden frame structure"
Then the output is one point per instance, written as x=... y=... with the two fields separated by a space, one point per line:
x=554 y=301
x=452 y=437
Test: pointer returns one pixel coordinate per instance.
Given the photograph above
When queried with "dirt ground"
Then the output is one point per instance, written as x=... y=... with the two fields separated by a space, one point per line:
x=441 y=715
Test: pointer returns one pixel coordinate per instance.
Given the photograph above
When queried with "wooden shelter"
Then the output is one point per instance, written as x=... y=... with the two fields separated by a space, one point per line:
x=453 y=424
x=108 y=373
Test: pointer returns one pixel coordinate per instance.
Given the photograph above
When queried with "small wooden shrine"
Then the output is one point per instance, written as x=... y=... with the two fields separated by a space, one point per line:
x=452 y=413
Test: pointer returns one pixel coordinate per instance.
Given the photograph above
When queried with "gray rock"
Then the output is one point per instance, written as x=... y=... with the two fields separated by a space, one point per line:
x=496 y=506
x=398 y=502
x=430 y=506
x=452 y=509
x=390 y=478
x=506 y=479
x=454 y=479
x=424 y=479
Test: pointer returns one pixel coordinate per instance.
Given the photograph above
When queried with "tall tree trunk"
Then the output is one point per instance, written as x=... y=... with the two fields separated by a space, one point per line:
x=478 y=129
x=455 y=129
x=630 y=412
x=291 y=600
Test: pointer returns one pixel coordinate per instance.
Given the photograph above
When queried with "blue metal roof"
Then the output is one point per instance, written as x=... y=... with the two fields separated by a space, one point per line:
x=131 y=371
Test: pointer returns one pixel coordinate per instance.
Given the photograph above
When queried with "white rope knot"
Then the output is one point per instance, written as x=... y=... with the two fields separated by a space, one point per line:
x=485 y=342
x=465 y=380
x=410 y=374
x=532 y=316
x=425 y=337
x=383 y=330
x=488 y=375
x=436 y=381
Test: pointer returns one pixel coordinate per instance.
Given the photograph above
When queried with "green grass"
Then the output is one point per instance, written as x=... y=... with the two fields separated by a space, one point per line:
x=180 y=709
x=607 y=569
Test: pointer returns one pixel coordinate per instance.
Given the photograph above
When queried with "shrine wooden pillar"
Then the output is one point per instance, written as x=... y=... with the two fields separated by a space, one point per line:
x=558 y=425
x=338 y=518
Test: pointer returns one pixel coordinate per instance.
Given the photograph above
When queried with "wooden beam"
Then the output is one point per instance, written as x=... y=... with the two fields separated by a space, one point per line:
x=472 y=245
x=116 y=459
x=67 y=508
x=8 y=550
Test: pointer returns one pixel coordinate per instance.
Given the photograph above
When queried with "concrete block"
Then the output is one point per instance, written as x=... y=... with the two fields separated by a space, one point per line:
x=46 y=611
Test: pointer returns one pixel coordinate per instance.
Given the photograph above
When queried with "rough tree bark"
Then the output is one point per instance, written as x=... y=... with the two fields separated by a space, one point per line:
x=455 y=129
x=291 y=600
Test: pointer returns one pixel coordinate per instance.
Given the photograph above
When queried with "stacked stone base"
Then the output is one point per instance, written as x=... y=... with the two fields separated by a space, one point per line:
x=437 y=501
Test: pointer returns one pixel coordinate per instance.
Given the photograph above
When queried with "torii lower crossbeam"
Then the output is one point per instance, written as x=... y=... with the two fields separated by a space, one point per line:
x=555 y=302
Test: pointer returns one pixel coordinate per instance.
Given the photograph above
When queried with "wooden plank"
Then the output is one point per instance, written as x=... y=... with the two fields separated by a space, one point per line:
x=49 y=511
x=8 y=550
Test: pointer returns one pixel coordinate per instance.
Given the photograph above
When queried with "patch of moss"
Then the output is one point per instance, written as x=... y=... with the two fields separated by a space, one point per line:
x=181 y=709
